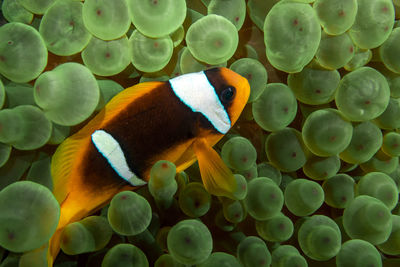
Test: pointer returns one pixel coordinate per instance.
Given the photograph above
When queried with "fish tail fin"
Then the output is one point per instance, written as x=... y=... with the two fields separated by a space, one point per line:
x=77 y=205
x=65 y=178
x=71 y=211
x=62 y=165
x=76 y=199
x=54 y=247
x=64 y=162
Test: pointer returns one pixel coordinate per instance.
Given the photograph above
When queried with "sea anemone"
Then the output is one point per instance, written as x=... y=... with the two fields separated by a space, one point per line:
x=315 y=153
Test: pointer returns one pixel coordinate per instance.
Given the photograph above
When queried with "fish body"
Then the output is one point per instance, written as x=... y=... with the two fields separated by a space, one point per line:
x=178 y=120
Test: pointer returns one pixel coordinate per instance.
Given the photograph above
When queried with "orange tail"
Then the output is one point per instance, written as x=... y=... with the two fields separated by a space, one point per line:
x=77 y=199
x=77 y=205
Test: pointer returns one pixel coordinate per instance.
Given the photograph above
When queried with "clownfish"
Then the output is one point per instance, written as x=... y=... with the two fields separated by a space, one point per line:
x=178 y=120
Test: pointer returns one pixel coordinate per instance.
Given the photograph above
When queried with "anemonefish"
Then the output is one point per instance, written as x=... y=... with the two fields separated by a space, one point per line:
x=178 y=120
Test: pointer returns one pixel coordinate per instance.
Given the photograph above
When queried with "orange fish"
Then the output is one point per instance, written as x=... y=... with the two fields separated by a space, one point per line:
x=178 y=120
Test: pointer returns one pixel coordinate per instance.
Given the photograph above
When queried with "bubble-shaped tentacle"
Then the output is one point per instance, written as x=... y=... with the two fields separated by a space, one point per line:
x=339 y=190
x=34 y=203
x=357 y=253
x=361 y=58
x=275 y=108
x=336 y=17
x=106 y=20
x=287 y=256
x=106 y=58
x=36 y=6
x=254 y=72
x=392 y=246
x=162 y=184
x=194 y=200
x=314 y=86
x=373 y=24
x=291 y=35
x=63 y=30
x=367 y=218
x=278 y=228
x=234 y=10
x=125 y=255
x=286 y=150
x=303 y=197
x=31 y=129
x=363 y=94
x=220 y=259
x=266 y=169
x=169 y=15
x=23 y=54
x=335 y=51
x=321 y=168
x=13 y=11
x=129 y=213
x=189 y=64
x=365 y=142
x=189 y=242
x=150 y=54
x=326 y=132
x=319 y=237
x=258 y=10
x=239 y=153
x=380 y=186
x=391 y=144
x=264 y=198
x=88 y=235
x=252 y=251
x=380 y=162
x=212 y=39
x=19 y=94
x=67 y=101
x=388 y=120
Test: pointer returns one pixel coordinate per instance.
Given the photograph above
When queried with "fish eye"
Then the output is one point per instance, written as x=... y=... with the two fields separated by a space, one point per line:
x=227 y=94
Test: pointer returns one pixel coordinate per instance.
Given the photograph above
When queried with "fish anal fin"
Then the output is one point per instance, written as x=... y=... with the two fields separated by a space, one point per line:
x=181 y=155
x=217 y=178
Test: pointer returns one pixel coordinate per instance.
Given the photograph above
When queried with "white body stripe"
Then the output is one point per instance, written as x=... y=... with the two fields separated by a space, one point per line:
x=195 y=91
x=111 y=150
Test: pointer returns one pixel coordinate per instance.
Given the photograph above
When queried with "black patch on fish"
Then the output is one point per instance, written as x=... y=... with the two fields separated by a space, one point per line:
x=149 y=126
x=97 y=171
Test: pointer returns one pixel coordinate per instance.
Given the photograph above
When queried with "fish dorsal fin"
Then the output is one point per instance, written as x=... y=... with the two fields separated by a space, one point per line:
x=66 y=158
x=117 y=104
x=217 y=177
x=129 y=95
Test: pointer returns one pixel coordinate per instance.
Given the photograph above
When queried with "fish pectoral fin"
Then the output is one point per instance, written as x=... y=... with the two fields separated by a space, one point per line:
x=217 y=178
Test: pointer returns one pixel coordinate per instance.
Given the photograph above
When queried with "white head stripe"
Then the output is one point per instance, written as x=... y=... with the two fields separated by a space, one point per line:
x=111 y=150
x=196 y=92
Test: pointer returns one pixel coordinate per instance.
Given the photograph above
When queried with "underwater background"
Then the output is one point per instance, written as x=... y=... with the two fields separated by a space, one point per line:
x=315 y=152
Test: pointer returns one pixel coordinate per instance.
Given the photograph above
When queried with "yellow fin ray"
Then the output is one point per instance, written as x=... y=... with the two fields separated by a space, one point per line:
x=62 y=165
x=118 y=103
x=217 y=177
